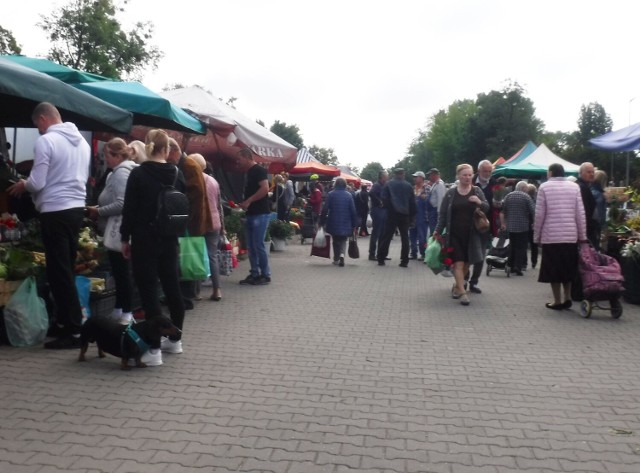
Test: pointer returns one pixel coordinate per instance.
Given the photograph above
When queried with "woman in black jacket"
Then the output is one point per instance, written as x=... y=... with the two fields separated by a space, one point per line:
x=153 y=256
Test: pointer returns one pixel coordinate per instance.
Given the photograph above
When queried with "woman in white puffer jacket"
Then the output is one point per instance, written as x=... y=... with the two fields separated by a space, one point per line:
x=559 y=226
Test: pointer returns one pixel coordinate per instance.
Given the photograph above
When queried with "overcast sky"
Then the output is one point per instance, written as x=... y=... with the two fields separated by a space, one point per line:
x=362 y=77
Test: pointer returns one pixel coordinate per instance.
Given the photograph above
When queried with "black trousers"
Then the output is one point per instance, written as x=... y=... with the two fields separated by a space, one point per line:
x=401 y=222
x=154 y=258
x=534 y=249
x=518 y=256
x=60 y=237
x=121 y=271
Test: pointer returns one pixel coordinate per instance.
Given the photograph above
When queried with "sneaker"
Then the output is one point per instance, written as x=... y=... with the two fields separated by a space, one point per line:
x=250 y=280
x=335 y=262
x=152 y=358
x=169 y=346
x=116 y=314
x=372 y=258
x=63 y=343
x=474 y=289
x=404 y=264
x=263 y=280
x=126 y=318
x=341 y=263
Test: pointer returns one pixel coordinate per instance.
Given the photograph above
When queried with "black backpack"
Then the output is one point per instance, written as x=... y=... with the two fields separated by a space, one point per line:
x=173 y=211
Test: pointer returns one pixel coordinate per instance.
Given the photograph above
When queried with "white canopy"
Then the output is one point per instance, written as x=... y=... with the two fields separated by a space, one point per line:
x=536 y=165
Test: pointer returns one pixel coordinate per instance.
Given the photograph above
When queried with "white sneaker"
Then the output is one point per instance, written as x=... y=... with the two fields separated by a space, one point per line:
x=446 y=273
x=171 y=347
x=152 y=359
x=126 y=318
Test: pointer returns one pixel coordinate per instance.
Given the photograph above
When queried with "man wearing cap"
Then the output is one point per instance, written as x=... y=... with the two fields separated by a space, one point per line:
x=418 y=231
x=437 y=190
x=400 y=202
x=378 y=214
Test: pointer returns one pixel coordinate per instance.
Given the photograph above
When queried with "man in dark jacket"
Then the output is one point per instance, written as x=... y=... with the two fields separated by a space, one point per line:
x=378 y=214
x=486 y=182
x=587 y=174
x=398 y=199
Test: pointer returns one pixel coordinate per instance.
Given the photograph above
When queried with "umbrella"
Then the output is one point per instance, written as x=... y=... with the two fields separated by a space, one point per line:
x=21 y=89
x=149 y=109
x=303 y=171
x=53 y=69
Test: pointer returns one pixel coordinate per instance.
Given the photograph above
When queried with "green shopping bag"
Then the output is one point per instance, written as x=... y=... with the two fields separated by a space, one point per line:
x=194 y=258
x=433 y=255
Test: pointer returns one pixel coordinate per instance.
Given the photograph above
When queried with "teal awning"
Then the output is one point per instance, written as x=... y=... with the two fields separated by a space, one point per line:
x=22 y=88
x=148 y=108
x=53 y=69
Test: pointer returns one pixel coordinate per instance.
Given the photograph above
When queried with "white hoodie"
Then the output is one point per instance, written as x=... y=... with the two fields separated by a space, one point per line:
x=60 y=171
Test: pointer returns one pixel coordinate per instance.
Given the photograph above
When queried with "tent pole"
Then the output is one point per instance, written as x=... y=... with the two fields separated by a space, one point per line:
x=626 y=182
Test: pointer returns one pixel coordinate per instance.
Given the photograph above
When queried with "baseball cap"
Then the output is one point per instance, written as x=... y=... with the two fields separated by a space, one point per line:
x=433 y=170
x=418 y=174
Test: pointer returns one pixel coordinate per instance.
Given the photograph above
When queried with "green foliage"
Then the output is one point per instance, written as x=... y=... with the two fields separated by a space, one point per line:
x=324 y=155
x=289 y=133
x=8 y=44
x=371 y=170
x=86 y=35
x=280 y=229
x=233 y=223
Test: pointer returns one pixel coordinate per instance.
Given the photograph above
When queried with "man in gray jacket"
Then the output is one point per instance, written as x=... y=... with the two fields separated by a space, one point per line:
x=399 y=200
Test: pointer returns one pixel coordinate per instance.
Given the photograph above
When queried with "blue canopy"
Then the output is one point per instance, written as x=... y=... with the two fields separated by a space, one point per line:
x=625 y=139
x=53 y=69
x=149 y=108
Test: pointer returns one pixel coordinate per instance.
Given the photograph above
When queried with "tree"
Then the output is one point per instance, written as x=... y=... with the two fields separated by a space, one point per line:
x=324 y=155
x=289 y=133
x=370 y=171
x=8 y=44
x=86 y=35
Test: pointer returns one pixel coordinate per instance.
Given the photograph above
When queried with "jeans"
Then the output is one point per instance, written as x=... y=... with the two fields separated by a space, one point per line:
x=418 y=237
x=60 y=238
x=213 y=248
x=401 y=222
x=255 y=231
x=432 y=219
x=378 y=218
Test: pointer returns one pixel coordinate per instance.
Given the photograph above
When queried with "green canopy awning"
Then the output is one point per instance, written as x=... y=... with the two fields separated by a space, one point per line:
x=22 y=88
x=53 y=69
x=148 y=108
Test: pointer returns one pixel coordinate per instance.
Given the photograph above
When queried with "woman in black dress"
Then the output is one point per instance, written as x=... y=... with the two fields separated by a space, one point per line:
x=460 y=235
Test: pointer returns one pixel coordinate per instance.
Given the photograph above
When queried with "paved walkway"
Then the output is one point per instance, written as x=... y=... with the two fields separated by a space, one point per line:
x=337 y=370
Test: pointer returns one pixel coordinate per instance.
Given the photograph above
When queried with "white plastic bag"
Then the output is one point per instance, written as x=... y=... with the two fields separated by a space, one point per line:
x=25 y=316
x=112 y=234
x=320 y=240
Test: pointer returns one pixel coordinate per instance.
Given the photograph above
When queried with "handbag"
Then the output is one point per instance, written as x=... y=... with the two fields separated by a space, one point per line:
x=353 y=251
x=25 y=316
x=480 y=221
x=112 y=233
x=225 y=257
x=194 y=258
x=324 y=251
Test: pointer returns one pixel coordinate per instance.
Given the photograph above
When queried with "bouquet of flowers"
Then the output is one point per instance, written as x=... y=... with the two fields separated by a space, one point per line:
x=631 y=250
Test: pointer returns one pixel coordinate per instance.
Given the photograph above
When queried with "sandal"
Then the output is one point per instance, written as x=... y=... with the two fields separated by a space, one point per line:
x=464 y=299
x=549 y=305
x=216 y=296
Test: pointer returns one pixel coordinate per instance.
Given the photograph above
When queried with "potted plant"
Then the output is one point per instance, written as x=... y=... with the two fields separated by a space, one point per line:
x=279 y=231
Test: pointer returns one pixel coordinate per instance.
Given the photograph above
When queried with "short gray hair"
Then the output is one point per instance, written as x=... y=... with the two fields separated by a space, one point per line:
x=522 y=186
x=485 y=162
x=340 y=183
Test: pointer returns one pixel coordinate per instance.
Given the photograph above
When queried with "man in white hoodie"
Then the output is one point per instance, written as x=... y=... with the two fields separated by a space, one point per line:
x=57 y=184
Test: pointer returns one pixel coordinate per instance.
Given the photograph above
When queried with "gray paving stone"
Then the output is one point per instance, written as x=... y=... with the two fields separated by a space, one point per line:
x=356 y=369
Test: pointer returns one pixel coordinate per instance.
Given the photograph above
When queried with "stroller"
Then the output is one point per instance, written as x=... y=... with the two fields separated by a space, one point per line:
x=601 y=281
x=498 y=254
x=308 y=229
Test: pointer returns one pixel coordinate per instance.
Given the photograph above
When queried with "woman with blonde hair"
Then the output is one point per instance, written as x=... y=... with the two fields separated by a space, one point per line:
x=217 y=219
x=456 y=217
x=153 y=256
x=137 y=151
x=110 y=204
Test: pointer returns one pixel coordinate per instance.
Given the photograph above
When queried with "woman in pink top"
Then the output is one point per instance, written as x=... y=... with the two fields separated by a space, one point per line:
x=559 y=226
x=212 y=238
